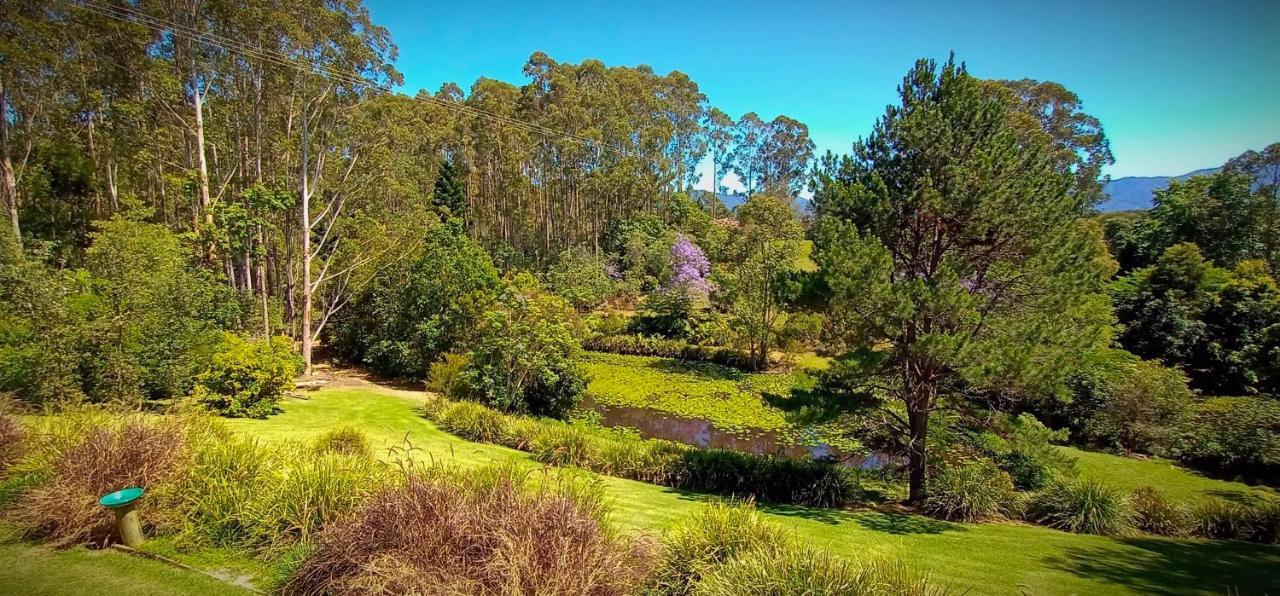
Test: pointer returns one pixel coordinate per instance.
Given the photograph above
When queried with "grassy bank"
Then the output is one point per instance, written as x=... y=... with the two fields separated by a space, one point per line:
x=985 y=558
x=30 y=569
x=1177 y=482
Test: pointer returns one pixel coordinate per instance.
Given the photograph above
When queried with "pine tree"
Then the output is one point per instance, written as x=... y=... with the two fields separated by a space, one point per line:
x=450 y=195
x=957 y=265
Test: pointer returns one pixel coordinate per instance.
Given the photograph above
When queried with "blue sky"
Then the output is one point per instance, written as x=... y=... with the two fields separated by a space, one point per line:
x=1178 y=85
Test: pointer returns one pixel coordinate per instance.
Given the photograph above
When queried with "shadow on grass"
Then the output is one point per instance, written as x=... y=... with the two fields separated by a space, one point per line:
x=1155 y=565
x=901 y=523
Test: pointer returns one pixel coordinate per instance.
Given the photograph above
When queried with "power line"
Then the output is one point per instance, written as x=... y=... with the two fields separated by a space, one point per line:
x=161 y=25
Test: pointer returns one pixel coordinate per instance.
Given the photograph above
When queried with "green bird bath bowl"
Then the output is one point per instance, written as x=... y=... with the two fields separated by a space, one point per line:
x=122 y=503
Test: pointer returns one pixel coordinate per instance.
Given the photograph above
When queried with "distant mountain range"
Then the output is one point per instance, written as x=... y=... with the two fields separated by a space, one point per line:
x=1135 y=192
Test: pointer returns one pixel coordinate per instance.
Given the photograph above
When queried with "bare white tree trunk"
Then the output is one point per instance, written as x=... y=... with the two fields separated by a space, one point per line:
x=10 y=184
x=305 y=231
x=201 y=163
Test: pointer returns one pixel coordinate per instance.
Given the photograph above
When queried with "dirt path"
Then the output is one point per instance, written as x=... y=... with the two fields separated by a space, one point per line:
x=326 y=375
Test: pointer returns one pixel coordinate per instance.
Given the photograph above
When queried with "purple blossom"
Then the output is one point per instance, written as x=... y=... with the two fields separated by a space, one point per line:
x=689 y=266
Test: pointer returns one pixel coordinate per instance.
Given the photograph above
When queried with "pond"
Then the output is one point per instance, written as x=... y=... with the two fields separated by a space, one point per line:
x=653 y=424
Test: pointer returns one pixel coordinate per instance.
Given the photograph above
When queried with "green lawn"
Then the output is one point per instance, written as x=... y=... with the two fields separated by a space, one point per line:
x=29 y=569
x=1177 y=482
x=983 y=559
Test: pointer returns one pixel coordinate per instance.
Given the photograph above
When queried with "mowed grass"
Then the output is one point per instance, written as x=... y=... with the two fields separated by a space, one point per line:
x=1178 y=483
x=30 y=569
x=979 y=559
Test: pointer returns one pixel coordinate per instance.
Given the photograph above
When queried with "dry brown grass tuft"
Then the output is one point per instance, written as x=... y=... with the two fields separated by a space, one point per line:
x=489 y=533
x=104 y=457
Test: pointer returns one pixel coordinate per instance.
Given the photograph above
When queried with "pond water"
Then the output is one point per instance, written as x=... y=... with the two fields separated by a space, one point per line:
x=653 y=424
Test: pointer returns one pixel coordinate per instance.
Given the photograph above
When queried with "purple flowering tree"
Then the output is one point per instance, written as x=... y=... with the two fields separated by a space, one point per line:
x=690 y=268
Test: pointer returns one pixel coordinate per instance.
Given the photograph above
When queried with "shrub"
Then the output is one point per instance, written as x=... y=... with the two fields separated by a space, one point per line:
x=565 y=445
x=801 y=330
x=771 y=478
x=445 y=377
x=806 y=571
x=523 y=358
x=972 y=491
x=581 y=277
x=608 y=324
x=1023 y=447
x=473 y=421
x=1154 y=513
x=248 y=377
x=1219 y=518
x=1264 y=521
x=711 y=537
x=90 y=458
x=467 y=533
x=1233 y=435
x=784 y=572
x=1084 y=506
x=346 y=440
x=311 y=492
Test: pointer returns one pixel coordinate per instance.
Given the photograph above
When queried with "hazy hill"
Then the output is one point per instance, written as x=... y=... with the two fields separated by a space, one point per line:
x=1135 y=192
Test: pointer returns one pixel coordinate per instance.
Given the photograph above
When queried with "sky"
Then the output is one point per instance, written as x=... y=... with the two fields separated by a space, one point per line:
x=1178 y=85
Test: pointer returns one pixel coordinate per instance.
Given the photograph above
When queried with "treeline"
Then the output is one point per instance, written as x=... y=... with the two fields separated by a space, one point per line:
x=263 y=131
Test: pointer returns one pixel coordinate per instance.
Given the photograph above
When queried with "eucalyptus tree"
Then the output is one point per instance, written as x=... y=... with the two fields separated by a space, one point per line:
x=956 y=263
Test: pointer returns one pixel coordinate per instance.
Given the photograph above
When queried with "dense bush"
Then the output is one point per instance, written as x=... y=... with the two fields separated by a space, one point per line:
x=1233 y=436
x=412 y=313
x=581 y=276
x=972 y=491
x=523 y=357
x=1023 y=447
x=1122 y=403
x=445 y=377
x=139 y=321
x=721 y=471
x=474 y=533
x=1254 y=521
x=1154 y=513
x=1084 y=506
x=345 y=440
x=641 y=345
x=801 y=331
x=247 y=377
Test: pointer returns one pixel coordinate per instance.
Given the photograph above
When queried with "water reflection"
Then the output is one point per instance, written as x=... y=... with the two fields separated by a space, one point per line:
x=703 y=433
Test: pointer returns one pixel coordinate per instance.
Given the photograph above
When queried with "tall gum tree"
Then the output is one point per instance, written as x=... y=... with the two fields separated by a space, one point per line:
x=956 y=262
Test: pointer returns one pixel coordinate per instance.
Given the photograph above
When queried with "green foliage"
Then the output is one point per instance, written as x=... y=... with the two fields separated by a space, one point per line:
x=716 y=534
x=446 y=376
x=757 y=286
x=911 y=238
x=1220 y=518
x=801 y=331
x=973 y=491
x=1154 y=513
x=247 y=377
x=140 y=321
x=1085 y=506
x=1233 y=435
x=720 y=471
x=1136 y=405
x=581 y=277
x=671 y=313
x=1023 y=447
x=412 y=314
x=523 y=358
x=449 y=196
x=345 y=440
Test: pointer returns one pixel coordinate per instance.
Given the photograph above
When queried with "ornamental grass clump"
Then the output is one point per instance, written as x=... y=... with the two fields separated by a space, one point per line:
x=346 y=440
x=1085 y=507
x=1154 y=513
x=473 y=421
x=711 y=537
x=85 y=456
x=12 y=440
x=972 y=491
x=480 y=532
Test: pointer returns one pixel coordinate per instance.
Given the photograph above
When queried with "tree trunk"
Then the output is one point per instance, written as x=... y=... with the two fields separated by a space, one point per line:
x=305 y=231
x=10 y=184
x=918 y=420
x=201 y=164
